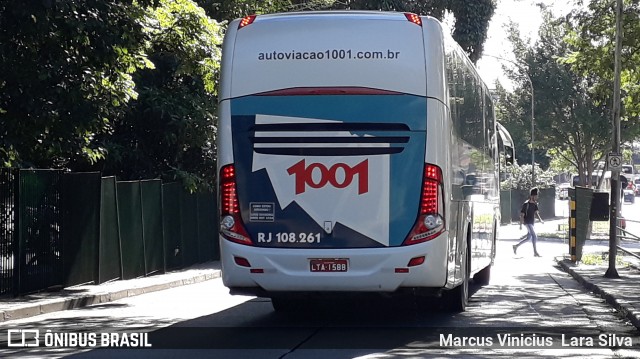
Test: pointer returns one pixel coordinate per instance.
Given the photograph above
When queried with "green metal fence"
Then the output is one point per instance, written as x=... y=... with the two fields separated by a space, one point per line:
x=152 y=233
x=172 y=225
x=8 y=187
x=38 y=231
x=64 y=229
x=130 y=220
x=109 y=258
x=81 y=227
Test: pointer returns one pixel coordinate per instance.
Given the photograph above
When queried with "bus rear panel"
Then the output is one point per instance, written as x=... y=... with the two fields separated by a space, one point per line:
x=326 y=183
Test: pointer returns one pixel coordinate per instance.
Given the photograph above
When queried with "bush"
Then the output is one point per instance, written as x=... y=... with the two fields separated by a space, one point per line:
x=519 y=178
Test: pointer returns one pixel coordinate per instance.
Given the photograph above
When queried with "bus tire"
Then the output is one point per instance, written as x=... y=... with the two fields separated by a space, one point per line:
x=484 y=276
x=457 y=298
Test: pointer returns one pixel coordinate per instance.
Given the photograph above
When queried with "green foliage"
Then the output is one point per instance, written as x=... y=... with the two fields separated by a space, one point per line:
x=169 y=130
x=126 y=87
x=574 y=121
x=519 y=177
x=597 y=259
x=65 y=73
x=472 y=23
x=560 y=161
x=513 y=112
x=227 y=10
x=592 y=41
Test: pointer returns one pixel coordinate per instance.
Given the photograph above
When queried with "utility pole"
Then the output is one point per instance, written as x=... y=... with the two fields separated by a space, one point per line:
x=533 y=156
x=612 y=272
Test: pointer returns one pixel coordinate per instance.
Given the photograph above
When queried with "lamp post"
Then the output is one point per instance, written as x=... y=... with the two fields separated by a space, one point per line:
x=533 y=162
x=612 y=272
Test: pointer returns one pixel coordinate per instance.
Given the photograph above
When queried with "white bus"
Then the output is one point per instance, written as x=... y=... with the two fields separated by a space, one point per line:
x=357 y=152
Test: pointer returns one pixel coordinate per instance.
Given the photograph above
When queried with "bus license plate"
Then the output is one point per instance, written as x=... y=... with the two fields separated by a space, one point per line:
x=329 y=265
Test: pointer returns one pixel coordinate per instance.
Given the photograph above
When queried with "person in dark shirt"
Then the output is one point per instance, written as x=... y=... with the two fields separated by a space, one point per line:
x=527 y=217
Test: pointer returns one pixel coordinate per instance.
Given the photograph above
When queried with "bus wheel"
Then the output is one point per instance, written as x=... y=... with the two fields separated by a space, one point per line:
x=483 y=277
x=458 y=298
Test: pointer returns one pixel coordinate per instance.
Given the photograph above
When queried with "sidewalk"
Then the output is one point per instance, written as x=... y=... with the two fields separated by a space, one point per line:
x=85 y=295
x=621 y=293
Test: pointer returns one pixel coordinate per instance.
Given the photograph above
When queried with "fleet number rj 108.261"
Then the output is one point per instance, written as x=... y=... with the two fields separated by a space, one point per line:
x=289 y=237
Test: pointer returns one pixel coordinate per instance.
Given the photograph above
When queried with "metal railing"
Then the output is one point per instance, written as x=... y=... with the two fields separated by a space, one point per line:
x=626 y=235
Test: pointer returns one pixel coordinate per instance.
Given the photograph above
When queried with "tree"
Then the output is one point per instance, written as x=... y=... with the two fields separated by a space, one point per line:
x=592 y=47
x=570 y=117
x=169 y=130
x=227 y=10
x=126 y=87
x=65 y=73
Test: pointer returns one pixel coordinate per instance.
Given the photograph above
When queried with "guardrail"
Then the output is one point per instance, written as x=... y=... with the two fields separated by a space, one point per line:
x=624 y=234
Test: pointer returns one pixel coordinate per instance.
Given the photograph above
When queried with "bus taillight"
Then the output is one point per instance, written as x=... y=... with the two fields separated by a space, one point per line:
x=413 y=18
x=231 y=224
x=430 y=221
x=246 y=21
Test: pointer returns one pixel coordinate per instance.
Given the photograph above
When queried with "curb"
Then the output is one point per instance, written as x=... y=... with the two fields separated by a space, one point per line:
x=45 y=306
x=620 y=306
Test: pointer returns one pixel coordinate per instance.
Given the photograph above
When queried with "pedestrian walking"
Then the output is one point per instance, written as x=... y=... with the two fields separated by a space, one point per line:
x=528 y=214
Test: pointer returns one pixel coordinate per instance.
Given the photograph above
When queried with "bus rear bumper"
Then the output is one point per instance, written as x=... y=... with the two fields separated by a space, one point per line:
x=278 y=270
